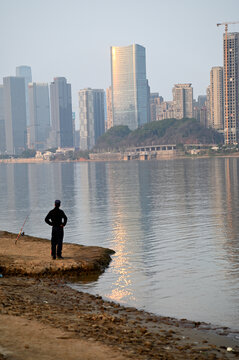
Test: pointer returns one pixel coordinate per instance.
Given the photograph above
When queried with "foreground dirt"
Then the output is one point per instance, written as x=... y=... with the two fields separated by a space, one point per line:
x=46 y=319
x=41 y=317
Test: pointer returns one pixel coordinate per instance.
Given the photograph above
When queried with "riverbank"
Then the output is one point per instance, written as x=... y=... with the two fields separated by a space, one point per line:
x=103 y=157
x=41 y=316
x=30 y=256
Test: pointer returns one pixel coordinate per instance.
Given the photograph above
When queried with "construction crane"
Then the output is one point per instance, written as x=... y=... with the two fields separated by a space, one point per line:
x=226 y=83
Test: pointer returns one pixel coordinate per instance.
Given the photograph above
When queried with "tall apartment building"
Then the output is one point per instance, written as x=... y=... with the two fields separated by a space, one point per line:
x=183 y=101
x=155 y=103
x=92 y=116
x=15 y=114
x=61 y=113
x=2 y=122
x=25 y=72
x=231 y=87
x=202 y=99
x=165 y=110
x=216 y=98
x=109 y=122
x=200 y=111
x=208 y=91
x=39 y=109
x=130 y=91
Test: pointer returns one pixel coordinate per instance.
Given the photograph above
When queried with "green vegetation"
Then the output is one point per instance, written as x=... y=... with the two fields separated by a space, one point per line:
x=4 y=156
x=72 y=155
x=79 y=154
x=29 y=153
x=53 y=150
x=113 y=139
x=170 y=131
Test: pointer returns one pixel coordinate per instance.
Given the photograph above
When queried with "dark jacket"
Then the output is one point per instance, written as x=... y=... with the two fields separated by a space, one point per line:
x=56 y=217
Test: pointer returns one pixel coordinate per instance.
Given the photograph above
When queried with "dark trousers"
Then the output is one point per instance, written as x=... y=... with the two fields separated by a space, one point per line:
x=56 y=241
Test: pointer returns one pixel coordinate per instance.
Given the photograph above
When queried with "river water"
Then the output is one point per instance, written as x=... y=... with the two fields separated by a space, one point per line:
x=174 y=225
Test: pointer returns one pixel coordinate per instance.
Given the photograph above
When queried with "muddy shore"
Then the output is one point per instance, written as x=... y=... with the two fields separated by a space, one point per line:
x=42 y=317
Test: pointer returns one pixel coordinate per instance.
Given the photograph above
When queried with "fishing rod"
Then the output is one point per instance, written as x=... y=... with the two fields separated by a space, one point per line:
x=20 y=232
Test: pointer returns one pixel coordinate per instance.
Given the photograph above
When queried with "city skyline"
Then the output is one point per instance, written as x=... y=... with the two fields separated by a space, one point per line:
x=178 y=38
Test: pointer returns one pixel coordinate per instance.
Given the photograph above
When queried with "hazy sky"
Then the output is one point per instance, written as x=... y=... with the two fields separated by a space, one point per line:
x=72 y=38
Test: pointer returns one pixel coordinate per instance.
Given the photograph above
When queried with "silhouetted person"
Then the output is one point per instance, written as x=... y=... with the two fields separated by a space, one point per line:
x=57 y=219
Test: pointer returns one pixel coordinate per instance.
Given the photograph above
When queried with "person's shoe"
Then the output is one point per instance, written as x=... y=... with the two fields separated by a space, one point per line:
x=60 y=257
x=53 y=258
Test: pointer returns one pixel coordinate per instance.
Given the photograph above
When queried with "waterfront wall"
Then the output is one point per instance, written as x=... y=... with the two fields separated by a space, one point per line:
x=107 y=156
x=136 y=155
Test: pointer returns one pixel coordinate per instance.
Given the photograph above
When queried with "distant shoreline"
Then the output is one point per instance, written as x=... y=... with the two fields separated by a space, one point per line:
x=109 y=159
x=33 y=160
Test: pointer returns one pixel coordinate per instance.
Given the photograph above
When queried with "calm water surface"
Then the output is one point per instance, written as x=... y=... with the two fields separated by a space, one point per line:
x=173 y=225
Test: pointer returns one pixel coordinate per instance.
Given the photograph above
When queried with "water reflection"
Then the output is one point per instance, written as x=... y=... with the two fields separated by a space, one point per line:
x=125 y=213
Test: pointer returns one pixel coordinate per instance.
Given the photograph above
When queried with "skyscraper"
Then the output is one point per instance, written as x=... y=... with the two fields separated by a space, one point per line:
x=216 y=98
x=61 y=113
x=2 y=122
x=25 y=72
x=155 y=105
x=202 y=99
x=183 y=101
x=109 y=122
x=231 y=87
x=208 y=94
x=130 y=94
x=15 y=114
x=92 y=117
x=164 y=110
x=39 y=108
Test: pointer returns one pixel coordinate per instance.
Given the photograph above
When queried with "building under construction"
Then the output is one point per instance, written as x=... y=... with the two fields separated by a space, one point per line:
x=231 y=87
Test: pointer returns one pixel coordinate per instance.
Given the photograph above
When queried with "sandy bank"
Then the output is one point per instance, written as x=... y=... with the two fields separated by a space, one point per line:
x=44 y=318
x=31 y=256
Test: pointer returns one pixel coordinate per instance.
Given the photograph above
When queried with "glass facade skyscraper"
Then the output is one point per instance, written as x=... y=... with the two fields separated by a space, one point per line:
x=2 y=122
x=15 y=114
x=130 y=95
x=25 y=72
x=61 y=113
x=92 y=116
x=39 y=108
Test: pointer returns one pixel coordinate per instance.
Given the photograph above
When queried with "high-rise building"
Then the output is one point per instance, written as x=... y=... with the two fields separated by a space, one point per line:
x=61 y=113
x=25 y=72
x=155 y=104
x=231 y=88
x=15 y=114
x=216 y=98
x=202 y=101
x=92 y=116
x=183 y=101
x=109 y=122
x=165 y=110
x=39 y=108
x=130 y=91
x=208 y=91
x=2 y=123
x=200 y=110
x=202 y=116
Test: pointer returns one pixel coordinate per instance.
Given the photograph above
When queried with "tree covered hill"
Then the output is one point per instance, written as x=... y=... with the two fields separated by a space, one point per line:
x=170 y=131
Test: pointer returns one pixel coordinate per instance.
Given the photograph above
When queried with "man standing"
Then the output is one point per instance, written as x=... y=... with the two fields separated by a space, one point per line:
x=57 y=219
